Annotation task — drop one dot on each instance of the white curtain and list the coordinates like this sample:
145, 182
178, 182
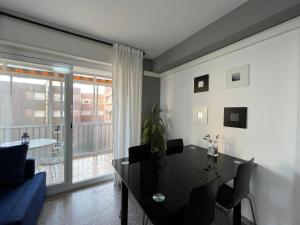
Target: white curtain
127, 98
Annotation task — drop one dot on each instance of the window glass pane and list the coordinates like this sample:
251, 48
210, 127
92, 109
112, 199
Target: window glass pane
33, 102
92, 130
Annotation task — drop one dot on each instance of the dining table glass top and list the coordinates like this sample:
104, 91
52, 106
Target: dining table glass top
173, 176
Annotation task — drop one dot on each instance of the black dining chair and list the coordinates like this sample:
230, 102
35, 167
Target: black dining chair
229, 197
174, 146
139, 153
201, 207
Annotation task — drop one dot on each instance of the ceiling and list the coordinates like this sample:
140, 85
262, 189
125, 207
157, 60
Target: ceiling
151, 25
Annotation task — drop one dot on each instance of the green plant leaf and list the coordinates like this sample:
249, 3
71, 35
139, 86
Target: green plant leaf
147, 122
147, 131
153, 130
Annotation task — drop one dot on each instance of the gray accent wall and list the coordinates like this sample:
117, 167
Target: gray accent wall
147, 63
252, 17
151, 93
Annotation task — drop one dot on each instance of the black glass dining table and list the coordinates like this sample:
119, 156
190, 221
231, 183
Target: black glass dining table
172, 177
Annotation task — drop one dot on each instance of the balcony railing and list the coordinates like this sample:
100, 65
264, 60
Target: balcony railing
88, 138
92, 138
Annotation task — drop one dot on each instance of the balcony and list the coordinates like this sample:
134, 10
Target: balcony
92, 149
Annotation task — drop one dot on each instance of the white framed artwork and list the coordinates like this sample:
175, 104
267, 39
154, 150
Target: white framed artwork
237, 77
200, 114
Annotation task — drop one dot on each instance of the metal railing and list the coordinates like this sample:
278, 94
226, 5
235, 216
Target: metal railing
92, 138
88, 138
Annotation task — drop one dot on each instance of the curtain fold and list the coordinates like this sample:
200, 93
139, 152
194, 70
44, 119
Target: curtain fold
127, 98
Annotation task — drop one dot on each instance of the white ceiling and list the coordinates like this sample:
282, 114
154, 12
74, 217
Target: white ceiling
151, 25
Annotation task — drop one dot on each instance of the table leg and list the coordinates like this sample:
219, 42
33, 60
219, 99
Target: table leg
237, 220
124, 210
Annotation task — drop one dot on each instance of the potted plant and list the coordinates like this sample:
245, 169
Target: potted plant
153, 130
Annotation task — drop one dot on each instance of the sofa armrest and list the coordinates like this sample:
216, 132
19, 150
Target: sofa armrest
29, 168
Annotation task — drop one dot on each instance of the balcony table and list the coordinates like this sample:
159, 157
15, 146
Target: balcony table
33, 144
174, 176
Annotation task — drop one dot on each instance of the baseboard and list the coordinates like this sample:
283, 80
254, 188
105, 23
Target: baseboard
64, 187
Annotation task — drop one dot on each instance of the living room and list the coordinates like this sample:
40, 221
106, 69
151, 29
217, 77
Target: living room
137, 112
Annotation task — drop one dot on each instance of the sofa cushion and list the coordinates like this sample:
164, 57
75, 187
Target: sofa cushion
22, 204
12, 165
8, 198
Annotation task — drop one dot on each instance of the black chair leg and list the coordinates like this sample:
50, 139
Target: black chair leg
143, 218
229, 212
146, 221
254, 220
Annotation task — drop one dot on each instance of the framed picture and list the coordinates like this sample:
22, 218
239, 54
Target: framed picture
237, 77
235, 117
200, 114
201, 83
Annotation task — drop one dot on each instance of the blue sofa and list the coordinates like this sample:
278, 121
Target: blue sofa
21, 204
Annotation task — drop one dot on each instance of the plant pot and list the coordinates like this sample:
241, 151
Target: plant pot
156, 160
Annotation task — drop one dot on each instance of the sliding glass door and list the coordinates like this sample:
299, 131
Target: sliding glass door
32, 104
67, 116
92, 127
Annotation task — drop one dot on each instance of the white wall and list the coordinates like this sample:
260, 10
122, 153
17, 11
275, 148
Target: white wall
272, 101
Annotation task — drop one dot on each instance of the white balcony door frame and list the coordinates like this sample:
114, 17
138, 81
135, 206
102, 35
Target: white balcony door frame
69, 184
68, 120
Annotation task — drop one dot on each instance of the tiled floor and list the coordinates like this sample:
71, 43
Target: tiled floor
97, 205
83, 168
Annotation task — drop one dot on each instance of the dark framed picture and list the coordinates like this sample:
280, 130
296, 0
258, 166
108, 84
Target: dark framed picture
201, 83
235, 117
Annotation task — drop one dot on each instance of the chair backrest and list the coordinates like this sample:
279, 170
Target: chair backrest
174, 146
201, 206
139, 153
242, 181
